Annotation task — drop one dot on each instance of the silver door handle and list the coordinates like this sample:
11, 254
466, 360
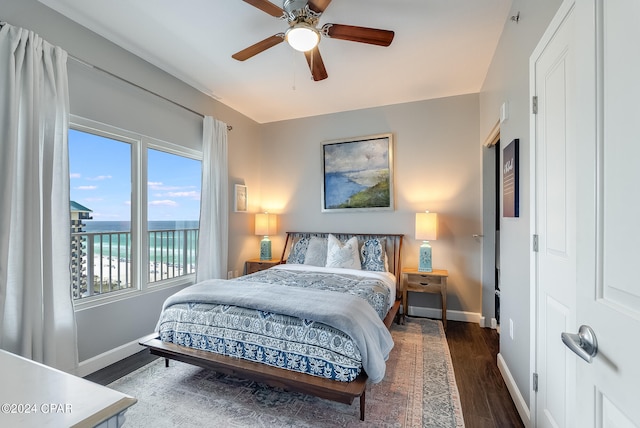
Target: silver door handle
584, 344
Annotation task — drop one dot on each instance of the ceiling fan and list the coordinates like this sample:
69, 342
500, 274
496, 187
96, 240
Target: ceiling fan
303, 34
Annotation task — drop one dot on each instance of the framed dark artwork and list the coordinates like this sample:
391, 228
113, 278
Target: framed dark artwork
357, 174
511, 180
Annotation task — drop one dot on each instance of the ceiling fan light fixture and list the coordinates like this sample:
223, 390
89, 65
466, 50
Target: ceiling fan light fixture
302, 37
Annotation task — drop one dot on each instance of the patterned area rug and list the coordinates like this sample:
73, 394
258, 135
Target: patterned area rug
419, 390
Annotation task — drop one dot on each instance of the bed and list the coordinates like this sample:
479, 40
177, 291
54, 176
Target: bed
266, 326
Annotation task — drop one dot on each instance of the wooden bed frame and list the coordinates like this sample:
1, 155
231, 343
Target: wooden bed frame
342, 392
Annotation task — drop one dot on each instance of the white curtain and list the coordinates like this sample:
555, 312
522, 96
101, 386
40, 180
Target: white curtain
37, 319
214, 202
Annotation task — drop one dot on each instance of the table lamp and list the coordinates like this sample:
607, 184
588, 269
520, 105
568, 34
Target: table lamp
426, 230
266, 224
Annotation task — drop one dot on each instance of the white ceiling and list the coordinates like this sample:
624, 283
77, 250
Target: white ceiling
441, 48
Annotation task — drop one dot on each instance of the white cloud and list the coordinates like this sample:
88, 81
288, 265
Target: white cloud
188, 194
99, 178
74, 175
160, 186
164, 203
86, 187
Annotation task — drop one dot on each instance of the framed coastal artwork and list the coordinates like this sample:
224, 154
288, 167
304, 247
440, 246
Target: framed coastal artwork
240, 201
357, 174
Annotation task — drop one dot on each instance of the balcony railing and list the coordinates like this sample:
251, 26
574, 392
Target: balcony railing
101, 262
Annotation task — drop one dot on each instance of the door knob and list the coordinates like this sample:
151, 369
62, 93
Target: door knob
584, 344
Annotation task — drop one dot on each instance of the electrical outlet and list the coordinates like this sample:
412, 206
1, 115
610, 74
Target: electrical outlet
235, 273
230, 274
511, 328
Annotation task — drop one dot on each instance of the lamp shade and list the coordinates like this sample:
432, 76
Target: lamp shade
266, 224
426, 226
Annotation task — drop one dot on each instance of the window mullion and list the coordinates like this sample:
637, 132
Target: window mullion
139, 214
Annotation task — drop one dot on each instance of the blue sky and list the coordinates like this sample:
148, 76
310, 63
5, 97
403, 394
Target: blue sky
100, 176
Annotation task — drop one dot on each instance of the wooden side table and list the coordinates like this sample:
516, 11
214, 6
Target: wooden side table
256, 265
425, 282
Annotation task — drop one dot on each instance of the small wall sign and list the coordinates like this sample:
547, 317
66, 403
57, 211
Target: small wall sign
511, 180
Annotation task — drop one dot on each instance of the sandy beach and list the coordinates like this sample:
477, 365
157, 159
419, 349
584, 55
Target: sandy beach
112, 269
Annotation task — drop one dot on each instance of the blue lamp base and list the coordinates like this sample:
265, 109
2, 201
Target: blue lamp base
425, 257
265, 249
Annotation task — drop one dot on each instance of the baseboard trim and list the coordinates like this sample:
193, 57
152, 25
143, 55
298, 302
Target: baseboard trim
451, 315
105, 359
518, 399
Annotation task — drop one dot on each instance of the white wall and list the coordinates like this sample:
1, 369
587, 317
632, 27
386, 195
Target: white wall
508, 81
437, 167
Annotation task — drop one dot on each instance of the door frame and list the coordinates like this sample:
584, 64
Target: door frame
488, 237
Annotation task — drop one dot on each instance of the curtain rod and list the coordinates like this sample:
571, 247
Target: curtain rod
115, 76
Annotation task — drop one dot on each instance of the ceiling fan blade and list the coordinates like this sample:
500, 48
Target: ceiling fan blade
266, 6
261, 46
316, 65
372, 36
318, 6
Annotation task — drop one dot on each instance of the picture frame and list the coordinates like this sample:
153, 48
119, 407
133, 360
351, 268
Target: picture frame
241, 199
357, 174
511, 179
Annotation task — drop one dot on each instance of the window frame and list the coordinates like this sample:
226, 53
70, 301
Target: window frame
139, 204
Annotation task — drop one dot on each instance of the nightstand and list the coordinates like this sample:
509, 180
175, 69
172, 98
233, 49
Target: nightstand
256, 265
425, 282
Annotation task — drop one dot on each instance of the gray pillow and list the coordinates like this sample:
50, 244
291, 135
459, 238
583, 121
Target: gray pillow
316, 252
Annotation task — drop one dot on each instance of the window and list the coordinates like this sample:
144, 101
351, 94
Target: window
173, 209
112, 251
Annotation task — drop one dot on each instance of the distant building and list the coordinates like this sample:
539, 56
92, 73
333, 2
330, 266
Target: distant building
78, 267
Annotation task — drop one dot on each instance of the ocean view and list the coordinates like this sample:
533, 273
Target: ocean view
172, 249
94, 226
166, 240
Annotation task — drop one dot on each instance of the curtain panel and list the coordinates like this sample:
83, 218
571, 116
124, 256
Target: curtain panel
37, 318
213, 240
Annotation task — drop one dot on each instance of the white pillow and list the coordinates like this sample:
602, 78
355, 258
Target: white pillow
316, 252
341, 255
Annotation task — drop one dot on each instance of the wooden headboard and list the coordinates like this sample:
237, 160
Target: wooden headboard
393, 246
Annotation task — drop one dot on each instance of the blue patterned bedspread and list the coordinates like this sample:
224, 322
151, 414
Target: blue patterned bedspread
283, 341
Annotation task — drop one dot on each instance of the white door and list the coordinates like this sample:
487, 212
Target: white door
552, 66
608, 390
587, 79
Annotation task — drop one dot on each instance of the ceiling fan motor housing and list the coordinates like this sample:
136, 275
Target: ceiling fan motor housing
292, 5
297, 11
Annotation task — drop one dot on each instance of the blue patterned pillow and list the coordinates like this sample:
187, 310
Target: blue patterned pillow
298, 251
373, 255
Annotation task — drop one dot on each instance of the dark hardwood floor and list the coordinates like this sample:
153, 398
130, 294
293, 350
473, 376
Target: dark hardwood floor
123, 367
484, 396
485, 400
